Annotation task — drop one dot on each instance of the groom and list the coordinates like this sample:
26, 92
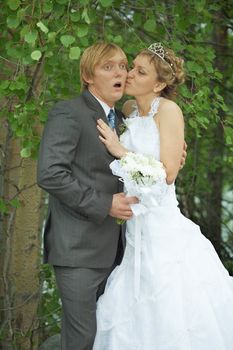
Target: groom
82, 240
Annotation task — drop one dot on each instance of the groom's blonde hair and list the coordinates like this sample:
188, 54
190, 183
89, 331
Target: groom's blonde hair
92, 56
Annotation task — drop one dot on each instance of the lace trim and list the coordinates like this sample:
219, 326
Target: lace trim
153, 109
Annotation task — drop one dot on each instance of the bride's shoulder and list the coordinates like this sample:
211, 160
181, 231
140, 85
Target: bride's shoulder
168, 105
128, 107
168, 108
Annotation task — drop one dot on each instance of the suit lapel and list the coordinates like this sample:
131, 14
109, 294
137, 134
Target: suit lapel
98, 112
92, 103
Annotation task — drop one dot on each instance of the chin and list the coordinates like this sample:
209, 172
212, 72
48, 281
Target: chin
118, 96
129, 91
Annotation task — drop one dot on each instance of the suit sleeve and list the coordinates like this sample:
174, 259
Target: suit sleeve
54, 174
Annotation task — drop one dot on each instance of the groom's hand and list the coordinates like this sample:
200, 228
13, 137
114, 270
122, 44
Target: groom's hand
120, 208
184, 155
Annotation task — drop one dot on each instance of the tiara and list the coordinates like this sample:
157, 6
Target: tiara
158, 49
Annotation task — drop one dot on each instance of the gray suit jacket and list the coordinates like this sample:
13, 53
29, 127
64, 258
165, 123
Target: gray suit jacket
73, 168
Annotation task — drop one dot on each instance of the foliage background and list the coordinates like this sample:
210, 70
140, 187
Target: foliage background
40, 47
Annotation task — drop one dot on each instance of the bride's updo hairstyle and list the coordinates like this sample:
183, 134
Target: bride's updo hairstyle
169, 68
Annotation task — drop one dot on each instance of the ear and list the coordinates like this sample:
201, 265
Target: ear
158, 87
87, 79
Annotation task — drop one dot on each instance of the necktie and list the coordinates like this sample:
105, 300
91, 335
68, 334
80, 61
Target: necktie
111, 118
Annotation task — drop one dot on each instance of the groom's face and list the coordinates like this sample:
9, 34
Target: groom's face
108, 81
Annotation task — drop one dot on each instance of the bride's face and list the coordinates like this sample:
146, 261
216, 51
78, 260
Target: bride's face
142, 78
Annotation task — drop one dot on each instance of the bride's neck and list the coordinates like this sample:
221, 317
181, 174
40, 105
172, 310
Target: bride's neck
144, 104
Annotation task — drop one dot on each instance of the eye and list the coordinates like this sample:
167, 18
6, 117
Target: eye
107, 67
123, 66
141, 72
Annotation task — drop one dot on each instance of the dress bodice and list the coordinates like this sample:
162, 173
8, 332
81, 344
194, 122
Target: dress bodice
142, 134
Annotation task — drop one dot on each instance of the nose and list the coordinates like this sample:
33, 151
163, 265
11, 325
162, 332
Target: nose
118, 70
131, 73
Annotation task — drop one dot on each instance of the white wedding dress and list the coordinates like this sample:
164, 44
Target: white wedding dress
184, 299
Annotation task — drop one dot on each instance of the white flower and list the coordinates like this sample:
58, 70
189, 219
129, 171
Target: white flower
144, 170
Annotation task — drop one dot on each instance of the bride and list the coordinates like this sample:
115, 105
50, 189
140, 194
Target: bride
184, 298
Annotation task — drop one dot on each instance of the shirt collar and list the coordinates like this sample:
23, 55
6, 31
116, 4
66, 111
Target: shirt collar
104, 105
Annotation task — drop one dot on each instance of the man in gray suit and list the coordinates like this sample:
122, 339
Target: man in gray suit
82, 238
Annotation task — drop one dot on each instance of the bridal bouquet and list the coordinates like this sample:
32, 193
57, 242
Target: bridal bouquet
144, 177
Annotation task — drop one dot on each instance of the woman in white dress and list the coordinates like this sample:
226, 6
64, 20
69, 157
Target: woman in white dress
184, 298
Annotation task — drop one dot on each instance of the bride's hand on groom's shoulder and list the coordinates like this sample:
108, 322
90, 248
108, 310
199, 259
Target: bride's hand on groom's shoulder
184, 155
110, 139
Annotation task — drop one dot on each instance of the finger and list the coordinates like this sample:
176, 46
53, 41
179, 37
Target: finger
104, 133
125, 217
103, 125
132, 200
124, 208
101, 129
102, 139
101, 122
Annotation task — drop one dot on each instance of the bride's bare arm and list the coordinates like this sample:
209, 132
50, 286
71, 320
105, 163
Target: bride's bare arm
171, 125
110, 139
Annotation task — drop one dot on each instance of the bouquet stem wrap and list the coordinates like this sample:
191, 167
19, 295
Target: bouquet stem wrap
145, 178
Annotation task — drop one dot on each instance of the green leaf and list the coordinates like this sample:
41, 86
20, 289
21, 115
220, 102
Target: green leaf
84, 41
58, 11
228, 140
150, 25
74, 53
21, 14
194, 67
15, 203
185, 91
24, 31
30, 37
82, 30
106, 3
42, 27
25, 152
12, 22
4, 84
85, 16
199, 5
48, 6
75, 16
218, 75
52, 36
13, 4
20, 132
118, 39
36, 55
3, 207
67, 40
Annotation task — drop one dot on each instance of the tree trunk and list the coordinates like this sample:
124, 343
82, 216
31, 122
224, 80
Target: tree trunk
20, 247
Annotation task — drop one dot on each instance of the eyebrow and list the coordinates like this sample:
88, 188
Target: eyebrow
112, 61
141, 67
